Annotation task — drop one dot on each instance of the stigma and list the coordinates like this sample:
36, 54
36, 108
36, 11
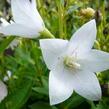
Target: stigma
71, 62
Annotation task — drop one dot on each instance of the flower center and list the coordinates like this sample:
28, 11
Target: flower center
71, 62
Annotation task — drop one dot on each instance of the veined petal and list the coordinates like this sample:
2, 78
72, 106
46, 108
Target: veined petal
60, 88
95, 61
24, 13
3, 91
86, 84
83, 40
19, 30
52, 49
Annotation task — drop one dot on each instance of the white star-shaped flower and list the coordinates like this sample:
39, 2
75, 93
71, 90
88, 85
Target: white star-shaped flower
73, 64
28, 22
3, 91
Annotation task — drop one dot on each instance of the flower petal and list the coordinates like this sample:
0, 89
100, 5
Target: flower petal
3, 23
86, 84
95, 61
60, 88
60, 83
24, 12
3, 91
52, 49
83, 39
19, 30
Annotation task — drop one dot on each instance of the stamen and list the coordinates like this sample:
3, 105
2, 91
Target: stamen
70, 62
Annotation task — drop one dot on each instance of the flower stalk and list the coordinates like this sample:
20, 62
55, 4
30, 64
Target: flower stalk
46, 34
61, 19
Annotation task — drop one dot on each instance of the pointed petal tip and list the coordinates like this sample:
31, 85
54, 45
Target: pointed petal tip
58, 100
41, 40
52, 102
97, 97
93, 22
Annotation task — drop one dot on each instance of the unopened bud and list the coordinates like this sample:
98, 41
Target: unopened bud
88, 12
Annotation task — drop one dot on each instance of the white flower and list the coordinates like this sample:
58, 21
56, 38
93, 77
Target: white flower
4, 23
73, 65
28, 22
3, 91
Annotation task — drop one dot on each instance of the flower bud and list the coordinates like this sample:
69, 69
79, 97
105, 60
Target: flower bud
88, 12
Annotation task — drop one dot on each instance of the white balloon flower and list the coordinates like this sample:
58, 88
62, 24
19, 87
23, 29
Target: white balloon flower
27, 20
3, 91
73, 64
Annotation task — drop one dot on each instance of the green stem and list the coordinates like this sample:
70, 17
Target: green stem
46, 34
91, 104
61, 18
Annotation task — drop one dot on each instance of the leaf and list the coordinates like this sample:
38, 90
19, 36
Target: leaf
18, 98
4, 44
41, 105
102, 105
43, 89
74, 101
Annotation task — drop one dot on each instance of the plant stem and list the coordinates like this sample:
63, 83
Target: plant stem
61, 18
91, 104
47, 34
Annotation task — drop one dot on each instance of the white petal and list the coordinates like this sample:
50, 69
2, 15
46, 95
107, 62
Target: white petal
83, 40
33, 4
86, 84
19, 30
52, 49
60, 88
3, 91
3, 22
95, 61
24, 12
60, 83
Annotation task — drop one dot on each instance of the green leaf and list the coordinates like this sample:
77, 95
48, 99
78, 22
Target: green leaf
102, 105
18, 98
41, 105
4, 44
43, 89
74, 101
